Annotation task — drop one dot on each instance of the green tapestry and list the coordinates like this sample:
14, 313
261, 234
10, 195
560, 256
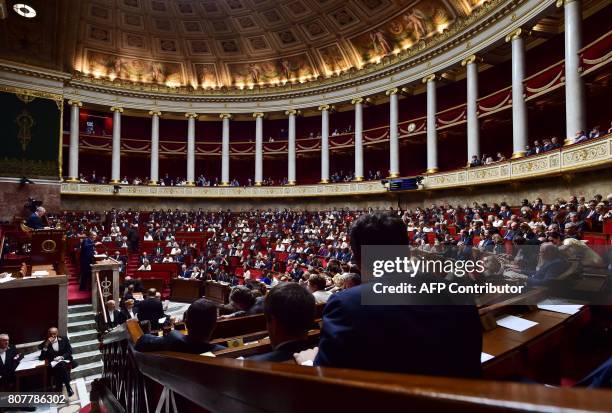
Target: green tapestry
30, 125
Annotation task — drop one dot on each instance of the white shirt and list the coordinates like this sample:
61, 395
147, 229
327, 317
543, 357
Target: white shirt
321, 296
55, 345
131, 313
111, 316
3, 356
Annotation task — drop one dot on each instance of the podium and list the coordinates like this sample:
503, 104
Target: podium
106, 271
48, 246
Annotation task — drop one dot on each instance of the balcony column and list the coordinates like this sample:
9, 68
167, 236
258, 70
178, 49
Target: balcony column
394, 171
154, 179
574, 88
473, 127
358, 102
291, 147
432, 133
116, 153
258, 148
191, 119
324, 143
519, 107
225, 149
73, 153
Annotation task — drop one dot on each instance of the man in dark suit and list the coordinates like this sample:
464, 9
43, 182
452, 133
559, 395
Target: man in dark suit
35, 220
399, 338
113, 316
151, 309
200, 320
9, 360
553, 265
57, 352
88, 250
129, 311
289, 309
133, 238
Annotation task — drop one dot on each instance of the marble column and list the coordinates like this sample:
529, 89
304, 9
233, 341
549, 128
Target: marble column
73, 152
519, 107
324, 143
116, 154
225, 150
191, 119
258, 148
575, 119
358, 102
473, 127
394, 171
432, 133
154, 179
291, 147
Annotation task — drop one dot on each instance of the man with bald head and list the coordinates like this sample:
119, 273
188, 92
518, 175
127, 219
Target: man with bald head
113, 316
57, 352
9, 359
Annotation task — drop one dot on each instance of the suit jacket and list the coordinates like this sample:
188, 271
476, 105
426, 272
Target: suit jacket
34, 221
426, 339
174, 341
284, 352
7, 369
87, 252
64, 350
151, 309
126, 315
548, 272
118, 319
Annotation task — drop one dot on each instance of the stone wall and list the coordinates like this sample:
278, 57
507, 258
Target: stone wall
13, 197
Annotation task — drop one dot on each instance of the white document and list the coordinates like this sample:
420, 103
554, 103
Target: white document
561, 308
308, 363
40, 273
55, 363
31, 356
484, 357
515, 323
208, 354
6, 279
29, 364
162, 320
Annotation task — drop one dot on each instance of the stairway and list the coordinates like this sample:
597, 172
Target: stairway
75, 296
84, 340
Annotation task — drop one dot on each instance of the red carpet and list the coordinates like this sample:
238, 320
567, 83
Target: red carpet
74, 295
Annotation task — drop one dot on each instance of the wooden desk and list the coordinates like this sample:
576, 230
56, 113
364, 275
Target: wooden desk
38, 371
186, 290
32, 305
216, 291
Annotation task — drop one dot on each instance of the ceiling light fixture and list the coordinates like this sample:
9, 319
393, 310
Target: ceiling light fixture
24, 10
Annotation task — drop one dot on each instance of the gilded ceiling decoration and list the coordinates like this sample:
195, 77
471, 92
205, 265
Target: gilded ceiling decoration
232, 43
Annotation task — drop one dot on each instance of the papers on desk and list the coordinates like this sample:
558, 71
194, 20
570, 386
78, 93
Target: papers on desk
308, 363
6, 279
29, 364
570, 309
484, 357
208, 354
100, 256
162, 320
31, 356
515, 323
39, 273
55, 363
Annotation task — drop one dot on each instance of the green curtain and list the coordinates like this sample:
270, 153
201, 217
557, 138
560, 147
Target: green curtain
29, 136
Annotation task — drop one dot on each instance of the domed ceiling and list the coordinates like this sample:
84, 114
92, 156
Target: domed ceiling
242, 43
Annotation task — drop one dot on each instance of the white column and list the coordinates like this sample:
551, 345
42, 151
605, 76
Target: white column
432, 133
519, 108
358, 102
225, 150
324, 143
394, 171
258, 148
154, 179
575, 120
73, 165
291, 147
191, 119
473, 127
116, 154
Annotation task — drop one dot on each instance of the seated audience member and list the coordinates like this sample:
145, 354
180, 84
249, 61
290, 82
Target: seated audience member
57, 349
113, 316
552, 265
475, 161
529, 150
500, 157
554, 143
151, 309
594, 133
351, 280
145, 266
200, 320
9, 360
316, 285
289, 309
243, 302
580, 137
425, 331
129, 312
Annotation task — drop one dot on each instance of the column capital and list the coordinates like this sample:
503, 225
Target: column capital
471, 59
225, 116
324, 107
357, 100
292, 112
116, 109
258, 115
518, 33
191, 115
155, 113
73, 102
431, 78
392, 91
561, 3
